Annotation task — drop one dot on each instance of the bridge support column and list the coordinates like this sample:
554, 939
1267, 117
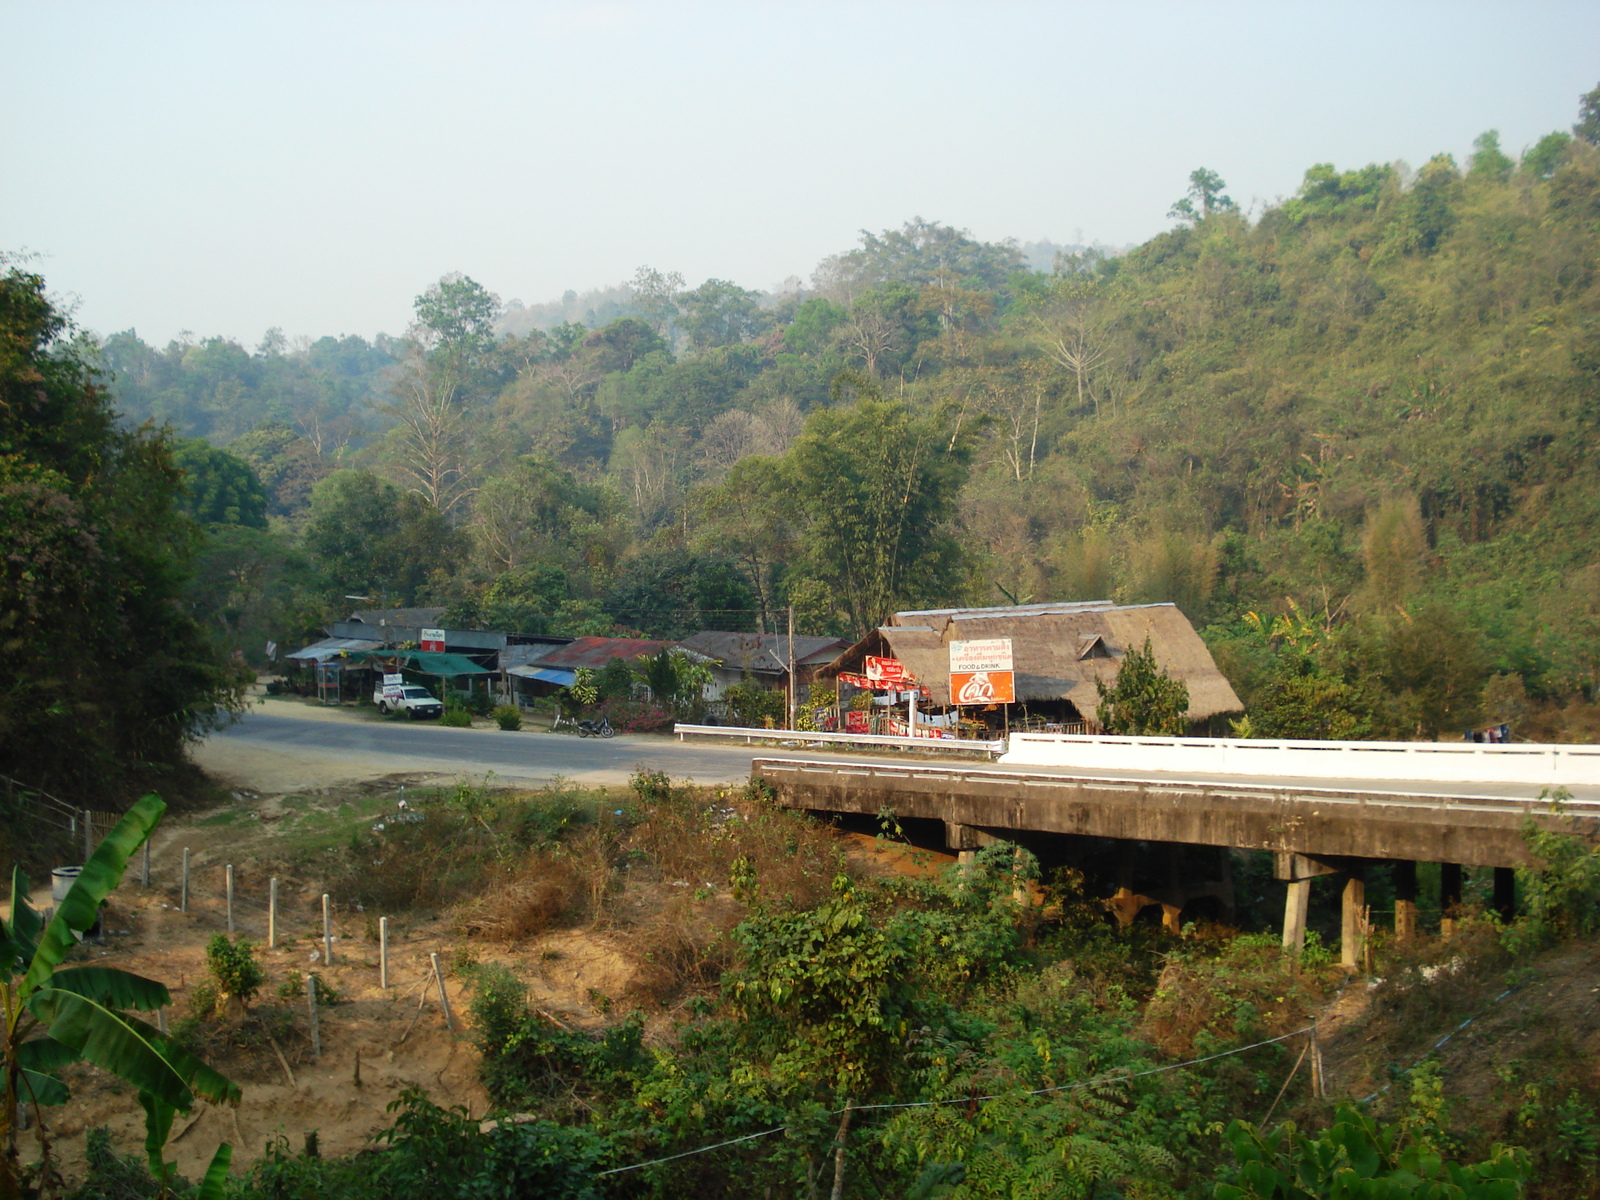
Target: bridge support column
1449, 896
1405, 900
1505, 893
1294, 915
1352, 932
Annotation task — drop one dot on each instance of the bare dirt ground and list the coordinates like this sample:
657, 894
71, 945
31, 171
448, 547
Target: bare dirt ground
376, 1041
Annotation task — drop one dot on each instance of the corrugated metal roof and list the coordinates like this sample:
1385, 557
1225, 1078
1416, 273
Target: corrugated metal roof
414, 617
766, 652
521, 656
596, 652
545, 674
330, 648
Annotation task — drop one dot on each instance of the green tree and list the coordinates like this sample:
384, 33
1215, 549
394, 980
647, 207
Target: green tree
671, 593
1588, 125
676, 680
1205, 197
750, 518
105, 671
877, 484
456, 317
1545, 155
369, 537
1302, 700
286, 463
1143, 699
1488, 160
219, 488
55, 1015
719, 313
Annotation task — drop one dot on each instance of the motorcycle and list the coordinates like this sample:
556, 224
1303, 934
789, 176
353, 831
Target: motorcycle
601, 728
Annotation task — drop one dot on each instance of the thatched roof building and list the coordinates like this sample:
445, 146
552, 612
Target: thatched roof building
1059, 650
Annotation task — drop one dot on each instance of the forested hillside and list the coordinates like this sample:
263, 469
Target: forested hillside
1352, 436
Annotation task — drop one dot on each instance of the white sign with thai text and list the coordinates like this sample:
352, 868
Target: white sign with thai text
985, 654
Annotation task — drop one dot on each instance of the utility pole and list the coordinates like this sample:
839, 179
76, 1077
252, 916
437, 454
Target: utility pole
792, 696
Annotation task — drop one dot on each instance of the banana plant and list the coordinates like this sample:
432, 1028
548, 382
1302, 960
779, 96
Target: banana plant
57, 1014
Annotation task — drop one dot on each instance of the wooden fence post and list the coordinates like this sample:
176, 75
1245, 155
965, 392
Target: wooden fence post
383, 952
444, 1000
272, 913
327, 932
228, 874
316, 1027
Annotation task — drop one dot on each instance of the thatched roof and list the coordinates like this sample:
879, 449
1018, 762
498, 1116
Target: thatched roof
1060, 650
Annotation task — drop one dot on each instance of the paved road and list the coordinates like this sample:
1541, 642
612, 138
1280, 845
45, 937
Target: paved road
369, 747
383, 747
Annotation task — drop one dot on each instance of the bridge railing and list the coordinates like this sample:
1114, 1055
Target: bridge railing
751, 736
1441, 762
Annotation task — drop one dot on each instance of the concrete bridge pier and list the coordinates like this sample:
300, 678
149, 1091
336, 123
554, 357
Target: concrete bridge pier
1298, 870
1505, 893
1405, 900
1449, 897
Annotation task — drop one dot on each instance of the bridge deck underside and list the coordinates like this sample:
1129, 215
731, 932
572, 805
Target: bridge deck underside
1374, 825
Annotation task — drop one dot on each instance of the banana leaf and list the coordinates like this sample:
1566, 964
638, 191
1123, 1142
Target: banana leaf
205, 1082
22, 931
214, 1185
113, 987
34, 1088
157, 1128
45, 1054
108, 1040
99, 877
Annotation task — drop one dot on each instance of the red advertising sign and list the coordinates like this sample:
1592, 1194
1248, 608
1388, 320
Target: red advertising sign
888, 672
432, 639
982, 687
856, 722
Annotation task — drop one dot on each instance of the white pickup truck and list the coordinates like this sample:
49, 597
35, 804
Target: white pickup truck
407, 698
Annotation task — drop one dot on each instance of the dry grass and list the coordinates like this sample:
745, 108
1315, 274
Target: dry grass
1250, 989
659, 875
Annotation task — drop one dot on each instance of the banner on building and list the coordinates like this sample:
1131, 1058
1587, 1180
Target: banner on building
433, 639
888, 672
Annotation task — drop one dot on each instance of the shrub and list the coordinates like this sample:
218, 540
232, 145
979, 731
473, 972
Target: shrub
634, 716
752, 705
234, 967
456, 717
508, 717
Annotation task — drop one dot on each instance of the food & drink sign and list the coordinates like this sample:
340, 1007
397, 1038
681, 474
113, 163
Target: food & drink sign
981, 672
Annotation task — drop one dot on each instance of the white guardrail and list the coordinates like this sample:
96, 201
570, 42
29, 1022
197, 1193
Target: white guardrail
837, 739
1436, 762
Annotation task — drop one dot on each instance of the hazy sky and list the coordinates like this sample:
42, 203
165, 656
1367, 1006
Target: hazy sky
226, 167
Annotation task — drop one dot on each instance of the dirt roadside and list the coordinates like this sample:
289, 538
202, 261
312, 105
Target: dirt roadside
376, 1041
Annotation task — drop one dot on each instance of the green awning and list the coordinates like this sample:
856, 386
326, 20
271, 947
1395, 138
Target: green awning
428, 662
435, 662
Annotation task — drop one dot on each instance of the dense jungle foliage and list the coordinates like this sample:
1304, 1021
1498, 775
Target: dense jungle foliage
1350, 435
105, 666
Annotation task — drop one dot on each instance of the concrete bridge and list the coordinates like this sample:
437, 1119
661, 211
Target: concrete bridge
1320, 808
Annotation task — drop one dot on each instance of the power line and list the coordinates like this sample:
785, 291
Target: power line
1109, 1077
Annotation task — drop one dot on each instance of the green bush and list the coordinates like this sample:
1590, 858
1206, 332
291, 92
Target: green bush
234, 967
456, 717
508, 717
751, 705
